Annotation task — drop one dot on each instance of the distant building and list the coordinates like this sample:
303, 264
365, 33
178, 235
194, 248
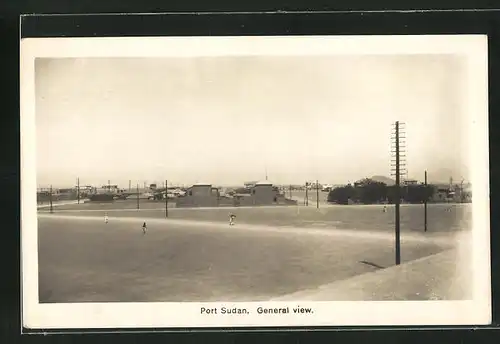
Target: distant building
199, 195
110, 188
205, 195
67, 191
87, 189
451, 193
264, 193
250, 185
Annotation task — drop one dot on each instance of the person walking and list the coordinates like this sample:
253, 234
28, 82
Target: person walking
231, 219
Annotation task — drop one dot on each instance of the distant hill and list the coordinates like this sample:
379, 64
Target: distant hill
382, 179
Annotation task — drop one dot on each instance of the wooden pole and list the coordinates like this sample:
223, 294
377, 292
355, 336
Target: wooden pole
317, 194
138, 196
50, 200
307, 197
425, 202
78, 190
166, 199
398, 200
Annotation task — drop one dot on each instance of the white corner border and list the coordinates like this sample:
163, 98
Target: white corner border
148, 315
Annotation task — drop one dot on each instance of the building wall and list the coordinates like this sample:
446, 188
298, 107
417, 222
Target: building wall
243, 201
263, 194
199, 196
200, 191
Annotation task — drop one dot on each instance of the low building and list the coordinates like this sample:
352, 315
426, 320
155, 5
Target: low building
250, 185
205, 195
445, 193
263, 193
109, 189
67, 194
85, 189
199, 195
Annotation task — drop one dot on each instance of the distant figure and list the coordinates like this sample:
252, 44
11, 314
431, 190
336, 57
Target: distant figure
106, 218
144, 228
231, 219
385, 209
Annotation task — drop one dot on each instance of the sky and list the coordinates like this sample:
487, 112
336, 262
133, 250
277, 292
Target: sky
227, 120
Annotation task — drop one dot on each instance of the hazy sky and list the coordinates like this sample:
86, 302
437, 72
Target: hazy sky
224, 120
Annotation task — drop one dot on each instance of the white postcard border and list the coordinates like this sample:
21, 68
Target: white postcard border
112, 315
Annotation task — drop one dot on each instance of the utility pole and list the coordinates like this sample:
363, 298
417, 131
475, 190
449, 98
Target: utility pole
425, 202
78, 189
138, 196
317, 194
307, 198
129, 185
398, 199
166, 199
109, 186
50, 199
462, 190
290, 191
398, 168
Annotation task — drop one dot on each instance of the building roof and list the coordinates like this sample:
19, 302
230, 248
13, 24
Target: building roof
265, 182
202, 184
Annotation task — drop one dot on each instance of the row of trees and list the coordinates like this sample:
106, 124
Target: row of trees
368, 191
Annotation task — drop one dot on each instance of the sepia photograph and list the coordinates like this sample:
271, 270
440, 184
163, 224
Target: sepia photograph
255, 181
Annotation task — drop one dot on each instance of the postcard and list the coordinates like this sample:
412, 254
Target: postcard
259, 181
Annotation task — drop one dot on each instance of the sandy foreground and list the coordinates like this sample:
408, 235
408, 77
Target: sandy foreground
430, 278
82, 259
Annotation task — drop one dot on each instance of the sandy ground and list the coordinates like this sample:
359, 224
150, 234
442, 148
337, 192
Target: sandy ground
436, 277
83, 259
300, 197
60, 204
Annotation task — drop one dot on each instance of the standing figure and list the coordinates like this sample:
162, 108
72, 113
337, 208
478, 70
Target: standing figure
144, 228
231, 219
106, 218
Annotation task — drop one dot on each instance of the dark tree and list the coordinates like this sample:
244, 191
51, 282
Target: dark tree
368, 191
371, 191
342, 194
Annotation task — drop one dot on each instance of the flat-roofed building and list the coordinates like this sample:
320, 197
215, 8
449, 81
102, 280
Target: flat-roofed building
199, 195
263, 193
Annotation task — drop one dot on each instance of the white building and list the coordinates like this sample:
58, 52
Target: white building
109, 188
